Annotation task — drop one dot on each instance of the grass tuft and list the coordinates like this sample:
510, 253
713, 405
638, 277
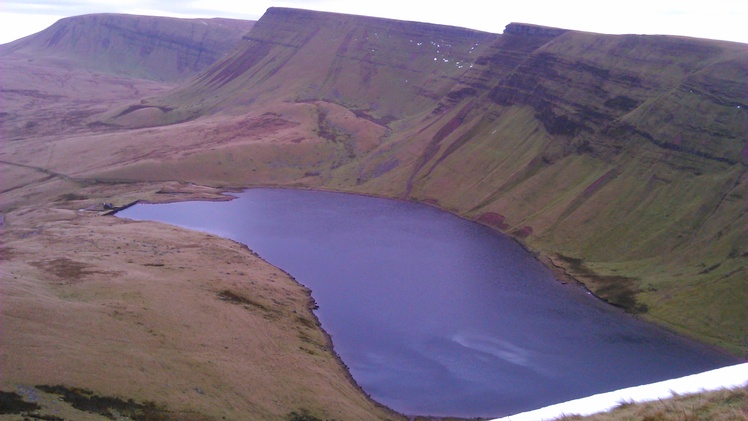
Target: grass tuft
234, 298
13, 403
106, 406
302, 415
620, 291
720, 405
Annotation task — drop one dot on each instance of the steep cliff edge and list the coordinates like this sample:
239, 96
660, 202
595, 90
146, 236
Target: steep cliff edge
622, 159
383, 69
83, 65
146, 47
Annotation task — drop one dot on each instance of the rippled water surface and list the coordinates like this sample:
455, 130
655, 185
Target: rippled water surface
437, 315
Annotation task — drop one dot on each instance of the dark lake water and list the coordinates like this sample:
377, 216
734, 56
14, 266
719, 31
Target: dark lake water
437, 315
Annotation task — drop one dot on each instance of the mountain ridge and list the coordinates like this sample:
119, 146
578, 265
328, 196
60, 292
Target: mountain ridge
83, 65
147, 47
541, 127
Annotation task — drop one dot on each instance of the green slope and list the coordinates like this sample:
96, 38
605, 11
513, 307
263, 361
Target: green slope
621, 159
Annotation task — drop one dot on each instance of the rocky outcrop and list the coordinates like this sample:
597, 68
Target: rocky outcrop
530, 29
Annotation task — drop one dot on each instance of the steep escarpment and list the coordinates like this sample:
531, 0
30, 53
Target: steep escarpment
613, 154
382, 69
84, 65
146, 47
621, 159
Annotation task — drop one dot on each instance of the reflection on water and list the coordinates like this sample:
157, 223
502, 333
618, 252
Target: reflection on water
437, 315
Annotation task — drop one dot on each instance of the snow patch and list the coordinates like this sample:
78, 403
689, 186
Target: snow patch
726, 377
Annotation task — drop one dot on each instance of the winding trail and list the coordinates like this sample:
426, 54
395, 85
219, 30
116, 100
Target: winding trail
81, 180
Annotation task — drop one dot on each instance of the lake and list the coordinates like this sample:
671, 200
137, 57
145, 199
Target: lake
434, 314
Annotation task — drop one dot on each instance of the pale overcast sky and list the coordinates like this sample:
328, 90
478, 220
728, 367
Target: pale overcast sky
715, 19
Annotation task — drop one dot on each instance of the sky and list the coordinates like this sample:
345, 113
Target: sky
714, 19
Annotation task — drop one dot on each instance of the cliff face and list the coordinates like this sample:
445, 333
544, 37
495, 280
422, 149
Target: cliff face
622, 159
147, 47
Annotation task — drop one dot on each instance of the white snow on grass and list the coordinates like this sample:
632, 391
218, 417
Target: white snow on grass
721, 378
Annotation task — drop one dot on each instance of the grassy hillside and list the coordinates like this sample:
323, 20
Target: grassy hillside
54, 81
621, 159
645, 204
722, 405
146, 47
104, 318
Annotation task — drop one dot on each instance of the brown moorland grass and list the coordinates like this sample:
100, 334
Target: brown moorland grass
720, 405
180, 324
205, 330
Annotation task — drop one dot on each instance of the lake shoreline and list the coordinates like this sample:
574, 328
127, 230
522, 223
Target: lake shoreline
562, 272
559, 275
